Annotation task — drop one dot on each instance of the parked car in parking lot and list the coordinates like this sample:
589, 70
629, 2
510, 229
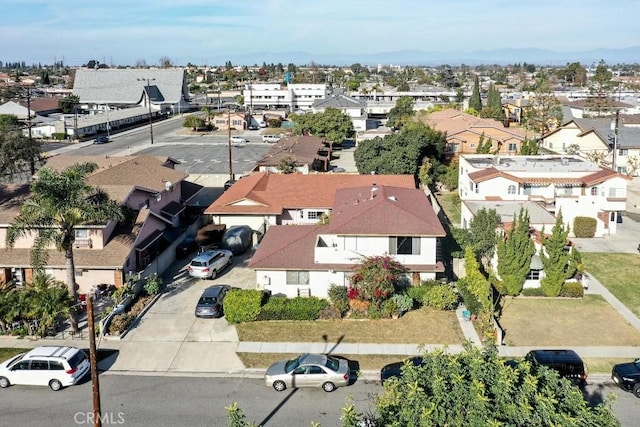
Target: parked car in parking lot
101, 140
627, 376
308, 370
208, 264
56, 367
211, 302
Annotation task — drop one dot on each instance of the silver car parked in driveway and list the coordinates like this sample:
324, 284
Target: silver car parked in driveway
208, 264
308, 370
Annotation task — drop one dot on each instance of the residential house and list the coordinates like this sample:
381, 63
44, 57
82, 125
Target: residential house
264, 199
595, 138
582, 108
568, 183
309, 152
515, 109
297, 260
157, 198
464, 132
239, 120
356, 109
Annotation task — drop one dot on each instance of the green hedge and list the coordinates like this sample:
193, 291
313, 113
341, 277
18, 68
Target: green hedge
470, 300
442, 297
572, 290
532, 292
242, 305
58, 136
299, 308
584, 226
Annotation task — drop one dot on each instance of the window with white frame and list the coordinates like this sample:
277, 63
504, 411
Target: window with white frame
511, 189
314, 214
297, 277
568, 191
513, 146
534, 275
623, 152
594, 191
404, 245
82, 233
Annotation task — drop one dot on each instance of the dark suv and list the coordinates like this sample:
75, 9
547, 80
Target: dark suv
627, 376
566, 362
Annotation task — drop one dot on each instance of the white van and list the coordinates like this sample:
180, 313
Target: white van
271, 138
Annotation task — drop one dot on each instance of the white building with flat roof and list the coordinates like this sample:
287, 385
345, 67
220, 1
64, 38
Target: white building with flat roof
568, 183
295, 96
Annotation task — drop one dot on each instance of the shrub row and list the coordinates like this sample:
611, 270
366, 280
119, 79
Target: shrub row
470, 300
243, 305
569, 290
299, 308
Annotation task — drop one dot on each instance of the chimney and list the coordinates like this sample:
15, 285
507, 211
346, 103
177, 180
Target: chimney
374, 189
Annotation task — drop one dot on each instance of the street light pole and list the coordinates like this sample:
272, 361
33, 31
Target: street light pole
149, 102
615, 142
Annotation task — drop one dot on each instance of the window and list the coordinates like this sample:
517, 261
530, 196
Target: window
314, 214
513, 147
568, 191
82, 233
39, 365
56, 366
594, 191
297, 277
401, 245
316, 370
623, 152
533, 275
511, 189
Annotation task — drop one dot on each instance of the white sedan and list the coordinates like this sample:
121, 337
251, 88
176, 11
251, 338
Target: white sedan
238, 140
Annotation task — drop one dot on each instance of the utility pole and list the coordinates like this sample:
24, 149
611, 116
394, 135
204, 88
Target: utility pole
93, 361
149, 103
32, 163
229, 142
615, 141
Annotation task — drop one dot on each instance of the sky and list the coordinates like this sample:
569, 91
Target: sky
210, 32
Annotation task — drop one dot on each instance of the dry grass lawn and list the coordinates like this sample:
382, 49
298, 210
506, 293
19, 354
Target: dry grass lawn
619, 273
450, 203
424, 326
590, 321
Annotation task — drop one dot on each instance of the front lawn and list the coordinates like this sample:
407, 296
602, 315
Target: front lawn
9, 352
450, 204
619, 273
589, 321
423, 326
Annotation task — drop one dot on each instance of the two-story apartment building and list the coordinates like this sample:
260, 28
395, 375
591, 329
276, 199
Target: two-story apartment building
356, 109
264, 199
365, 221
153, 192
568, 183
295, 96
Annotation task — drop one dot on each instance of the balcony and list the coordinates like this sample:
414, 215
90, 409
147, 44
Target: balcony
82, 243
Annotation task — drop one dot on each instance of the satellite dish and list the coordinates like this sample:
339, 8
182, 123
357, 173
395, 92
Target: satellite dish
168, 185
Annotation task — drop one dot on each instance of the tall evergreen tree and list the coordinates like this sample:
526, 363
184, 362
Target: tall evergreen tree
601, 87
475, 101
556, 259
514, 254
483, 234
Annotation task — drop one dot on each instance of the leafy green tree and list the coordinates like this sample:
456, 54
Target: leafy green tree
601, 87
493, 109
403, 152
484, 236
514, 254
287, 165
574, 74
69, 103
475, 102
451, 175
529, 147
193, 122
59, 203
476, 388
332, 125
556, 259
545, 111
49, 300
18, 153
484, 147
401, 113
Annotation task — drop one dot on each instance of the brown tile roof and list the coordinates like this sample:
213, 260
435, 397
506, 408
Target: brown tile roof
42, 104
269, 193
302, 148
384, 210
454, 123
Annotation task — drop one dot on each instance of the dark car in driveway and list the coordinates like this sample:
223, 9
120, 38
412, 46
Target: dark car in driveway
211, 303
627, 376
394, 370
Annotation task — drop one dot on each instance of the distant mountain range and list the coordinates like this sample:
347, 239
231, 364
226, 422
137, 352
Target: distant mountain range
505, 56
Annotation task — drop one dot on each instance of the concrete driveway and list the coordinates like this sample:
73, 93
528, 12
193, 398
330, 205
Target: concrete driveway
169, 338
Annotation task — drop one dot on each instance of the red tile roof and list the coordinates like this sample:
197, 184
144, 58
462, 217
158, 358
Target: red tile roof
384, 210
268, 193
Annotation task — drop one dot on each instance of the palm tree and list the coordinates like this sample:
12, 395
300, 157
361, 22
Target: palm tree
50, 300
59, 203
6, 305
208, 113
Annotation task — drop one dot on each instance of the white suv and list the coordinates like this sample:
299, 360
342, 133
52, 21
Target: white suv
208, 264
271, 138
56, 367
